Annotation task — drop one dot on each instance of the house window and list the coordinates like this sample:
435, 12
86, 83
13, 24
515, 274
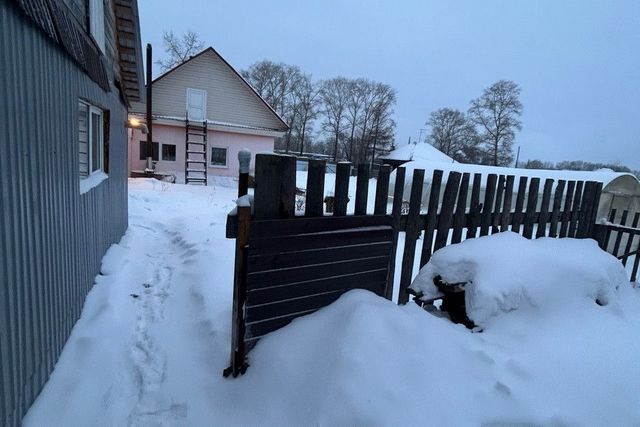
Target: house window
143, 151
96, 22
169, 152
219, 156
91, 140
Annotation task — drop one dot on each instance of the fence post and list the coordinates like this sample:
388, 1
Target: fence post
315, 188
341, 195
275, 192
238, 364
396, 213
244, 158
362, 189
411, 235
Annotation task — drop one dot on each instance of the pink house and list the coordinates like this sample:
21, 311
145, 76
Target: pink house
204, 112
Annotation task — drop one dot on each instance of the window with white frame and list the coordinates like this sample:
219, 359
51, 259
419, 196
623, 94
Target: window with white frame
219, 157
91, 140
96, 22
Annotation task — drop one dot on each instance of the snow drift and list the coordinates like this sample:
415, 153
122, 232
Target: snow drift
506, 272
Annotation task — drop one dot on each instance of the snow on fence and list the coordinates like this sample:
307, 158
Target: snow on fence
306, 251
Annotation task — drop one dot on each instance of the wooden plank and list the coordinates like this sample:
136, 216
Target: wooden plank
616, 245
586, 209
497, 213
532, 202
362, 189
604, 244
267, 186
634, 271
555, 212
544, 208
375, 283
396, 214
411, 235
432, 217
317, 256
317, 285
487, 208
382, 190
317, 241
275, 187
314, 197
257, 329
475, 207
566, 211
290, 227
341, 196
627, 248
281, 277
239, 293
518, 216
506, 206
575, 209
445, 220
461, 207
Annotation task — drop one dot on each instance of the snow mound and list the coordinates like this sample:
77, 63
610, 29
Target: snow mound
506, 272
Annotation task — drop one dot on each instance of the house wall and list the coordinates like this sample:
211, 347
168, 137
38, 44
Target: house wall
176, 135
53, 237
229, 99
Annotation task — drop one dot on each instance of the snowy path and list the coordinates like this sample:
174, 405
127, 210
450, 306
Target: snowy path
155, 326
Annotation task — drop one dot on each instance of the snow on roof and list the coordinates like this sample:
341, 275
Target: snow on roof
605, 176
421, 151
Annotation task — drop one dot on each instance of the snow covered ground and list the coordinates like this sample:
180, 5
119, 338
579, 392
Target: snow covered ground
154, 338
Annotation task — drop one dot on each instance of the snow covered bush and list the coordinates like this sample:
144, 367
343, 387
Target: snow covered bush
507, 272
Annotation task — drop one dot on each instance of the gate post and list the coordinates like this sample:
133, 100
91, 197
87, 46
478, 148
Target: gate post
238, 363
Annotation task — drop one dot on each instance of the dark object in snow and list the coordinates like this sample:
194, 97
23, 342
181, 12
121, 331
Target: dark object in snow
452, 301
146, 285
135, 295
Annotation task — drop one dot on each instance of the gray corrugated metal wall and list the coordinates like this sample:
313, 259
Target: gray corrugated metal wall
52, 237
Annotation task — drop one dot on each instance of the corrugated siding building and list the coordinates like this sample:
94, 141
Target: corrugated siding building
63, 173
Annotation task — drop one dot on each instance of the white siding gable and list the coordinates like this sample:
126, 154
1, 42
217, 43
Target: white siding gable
229, 99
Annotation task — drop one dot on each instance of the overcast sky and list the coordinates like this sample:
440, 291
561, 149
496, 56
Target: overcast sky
577, 62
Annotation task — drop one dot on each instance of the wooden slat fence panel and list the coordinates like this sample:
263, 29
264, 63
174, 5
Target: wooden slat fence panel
544, 208
362, 189
445, 219
555, 213
475, 207
518, 214
497, 212
411, 235
461, 208
432, 217
341, 197
487, 208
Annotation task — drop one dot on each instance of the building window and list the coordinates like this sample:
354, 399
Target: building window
143, 151
96, 22
219, 156
169, 152
91, 140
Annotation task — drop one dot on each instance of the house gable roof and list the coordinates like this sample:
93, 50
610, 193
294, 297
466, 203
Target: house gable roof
282, 125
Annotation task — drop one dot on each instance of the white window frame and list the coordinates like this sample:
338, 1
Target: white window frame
94, 177
161, 153
96, 22
226, 165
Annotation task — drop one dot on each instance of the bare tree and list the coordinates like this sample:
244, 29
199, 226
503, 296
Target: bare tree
305, 97
497, 113
179, 49
454, 134
334, 95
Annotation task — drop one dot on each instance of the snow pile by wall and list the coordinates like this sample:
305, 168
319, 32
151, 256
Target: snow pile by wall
506, 272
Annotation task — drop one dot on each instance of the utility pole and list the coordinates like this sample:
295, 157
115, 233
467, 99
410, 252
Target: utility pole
149, 110
518, 156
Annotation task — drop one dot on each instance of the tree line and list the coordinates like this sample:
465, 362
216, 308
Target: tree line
348, 119
485, 133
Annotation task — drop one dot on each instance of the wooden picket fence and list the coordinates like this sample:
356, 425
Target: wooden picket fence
269, 235
620, 239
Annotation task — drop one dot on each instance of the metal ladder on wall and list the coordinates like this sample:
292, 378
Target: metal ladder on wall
195, 165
